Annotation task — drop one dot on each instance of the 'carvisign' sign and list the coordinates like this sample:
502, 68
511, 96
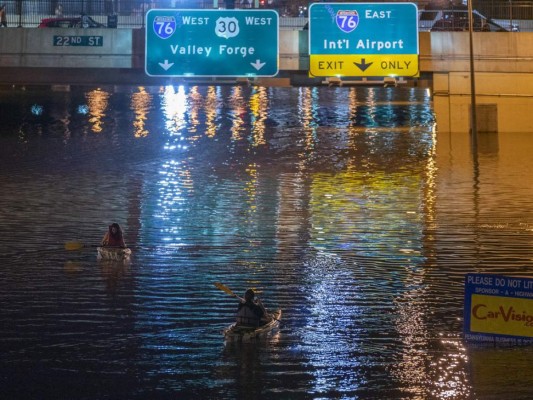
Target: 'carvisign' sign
498, 308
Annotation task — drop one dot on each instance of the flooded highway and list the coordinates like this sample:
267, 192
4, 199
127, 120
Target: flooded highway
344, 207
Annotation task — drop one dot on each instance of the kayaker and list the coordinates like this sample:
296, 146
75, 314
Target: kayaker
251, 312
114, 237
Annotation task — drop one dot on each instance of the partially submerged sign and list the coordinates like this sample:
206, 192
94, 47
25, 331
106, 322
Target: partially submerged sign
498, 308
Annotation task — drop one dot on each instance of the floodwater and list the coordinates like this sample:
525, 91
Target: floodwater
344, 207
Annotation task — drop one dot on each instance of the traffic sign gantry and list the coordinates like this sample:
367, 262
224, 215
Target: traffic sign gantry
363, 39
223, 43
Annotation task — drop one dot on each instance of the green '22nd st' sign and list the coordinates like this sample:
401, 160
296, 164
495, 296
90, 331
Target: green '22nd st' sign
83, 40
224, 43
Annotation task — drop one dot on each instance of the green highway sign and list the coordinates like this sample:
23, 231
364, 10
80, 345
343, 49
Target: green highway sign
363, 39
223, 43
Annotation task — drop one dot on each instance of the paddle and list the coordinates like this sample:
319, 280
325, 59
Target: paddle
75, 246
80, 245
226, 289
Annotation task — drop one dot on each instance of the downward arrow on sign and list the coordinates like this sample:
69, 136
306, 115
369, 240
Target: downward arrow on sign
166, 65
258, 64
363, 65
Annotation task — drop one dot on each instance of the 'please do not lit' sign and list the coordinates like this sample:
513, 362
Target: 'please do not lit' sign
498, 308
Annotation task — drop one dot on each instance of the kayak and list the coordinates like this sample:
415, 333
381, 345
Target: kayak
236, 333
113, 253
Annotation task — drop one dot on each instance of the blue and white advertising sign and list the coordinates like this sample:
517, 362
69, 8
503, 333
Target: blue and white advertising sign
498, 308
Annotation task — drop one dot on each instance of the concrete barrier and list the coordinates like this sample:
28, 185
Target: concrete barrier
124, 48
66, 48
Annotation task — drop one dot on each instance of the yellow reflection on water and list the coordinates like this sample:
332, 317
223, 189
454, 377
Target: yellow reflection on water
211, 110
353, 104
259, 111
352, 203
372, 109
251, 188
307, 113
430, 195
238, 112
97, 101
140, 103
194, 104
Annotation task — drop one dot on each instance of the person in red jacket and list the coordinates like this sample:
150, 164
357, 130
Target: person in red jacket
114, 236
3, 17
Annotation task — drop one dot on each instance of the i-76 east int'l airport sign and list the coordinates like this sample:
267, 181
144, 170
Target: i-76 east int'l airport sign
363, 39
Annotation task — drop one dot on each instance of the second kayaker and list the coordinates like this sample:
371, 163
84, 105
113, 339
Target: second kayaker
114, 237
252, 312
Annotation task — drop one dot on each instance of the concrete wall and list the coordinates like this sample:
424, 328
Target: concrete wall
503, 79
503, 64
508, 95
22, 47
493, 51
124, 48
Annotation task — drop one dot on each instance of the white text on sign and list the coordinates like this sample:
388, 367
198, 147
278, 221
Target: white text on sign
189, 20
363, 65
258, 21
362, 44
369, 14
223, 49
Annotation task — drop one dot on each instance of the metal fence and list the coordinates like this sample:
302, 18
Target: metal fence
507, 9
130, 13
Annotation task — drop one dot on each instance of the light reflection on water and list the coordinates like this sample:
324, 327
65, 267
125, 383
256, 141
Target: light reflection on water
343, 207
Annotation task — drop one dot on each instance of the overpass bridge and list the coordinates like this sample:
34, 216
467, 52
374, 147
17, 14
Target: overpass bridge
503, 69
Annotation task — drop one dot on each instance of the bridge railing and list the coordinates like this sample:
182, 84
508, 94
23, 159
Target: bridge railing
130, 13
29, 13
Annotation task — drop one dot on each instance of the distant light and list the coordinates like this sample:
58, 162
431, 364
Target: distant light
37, 109
83, 109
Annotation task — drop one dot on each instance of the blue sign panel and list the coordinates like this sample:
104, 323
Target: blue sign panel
363, 39
363, 28
224, 43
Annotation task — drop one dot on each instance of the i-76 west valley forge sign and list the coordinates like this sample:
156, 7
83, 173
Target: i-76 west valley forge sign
223, 43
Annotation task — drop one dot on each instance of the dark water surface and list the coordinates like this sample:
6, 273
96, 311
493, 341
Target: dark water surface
343, 207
